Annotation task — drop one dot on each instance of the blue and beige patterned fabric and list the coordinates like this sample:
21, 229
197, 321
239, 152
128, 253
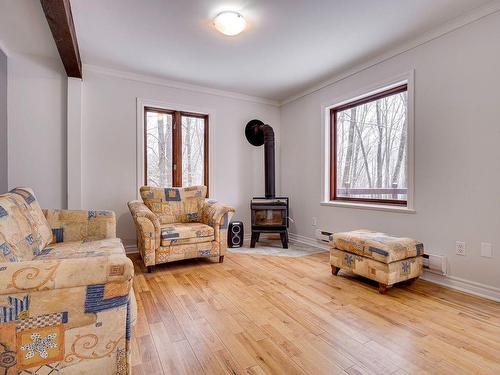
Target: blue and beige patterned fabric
68, 225
174, 205
165, 254
24, 231
377, 256
68, 308
179, 223
377, 245
385, 273
184, 233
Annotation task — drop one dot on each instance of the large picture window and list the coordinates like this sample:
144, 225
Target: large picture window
369, 149
176, 148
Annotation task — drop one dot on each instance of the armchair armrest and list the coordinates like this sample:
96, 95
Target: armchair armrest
148, 231
49, 274
80, 225
217, 216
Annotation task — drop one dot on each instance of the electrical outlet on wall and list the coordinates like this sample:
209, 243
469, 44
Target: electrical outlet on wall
460, 248
486, 250
314, 222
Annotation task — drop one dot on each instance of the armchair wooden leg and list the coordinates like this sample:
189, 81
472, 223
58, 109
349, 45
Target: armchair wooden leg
221, 259
335, 270
150, 269
382, 288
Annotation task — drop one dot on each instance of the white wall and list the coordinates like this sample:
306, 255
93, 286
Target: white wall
109, 144
37, 127
3, 123
457, 157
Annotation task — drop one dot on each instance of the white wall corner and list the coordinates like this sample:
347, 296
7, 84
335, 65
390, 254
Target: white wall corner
74, 145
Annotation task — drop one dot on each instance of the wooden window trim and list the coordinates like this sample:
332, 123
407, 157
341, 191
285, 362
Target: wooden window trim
177, 144
333, 147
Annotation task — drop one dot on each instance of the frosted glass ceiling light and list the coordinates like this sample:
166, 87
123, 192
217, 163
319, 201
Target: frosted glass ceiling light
230, 23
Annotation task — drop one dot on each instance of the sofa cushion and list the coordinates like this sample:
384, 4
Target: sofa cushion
24, 230
184, 233
82, 249
376, 245
175, 205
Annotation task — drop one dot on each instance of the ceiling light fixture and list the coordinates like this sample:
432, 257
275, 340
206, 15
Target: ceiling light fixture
230, 23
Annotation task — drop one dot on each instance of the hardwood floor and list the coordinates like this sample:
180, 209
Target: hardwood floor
275, 315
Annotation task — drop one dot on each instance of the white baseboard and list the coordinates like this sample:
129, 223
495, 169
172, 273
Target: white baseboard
467, 286
308, 241
453, 282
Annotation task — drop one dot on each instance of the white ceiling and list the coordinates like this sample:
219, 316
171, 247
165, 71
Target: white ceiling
24, 29
290, 45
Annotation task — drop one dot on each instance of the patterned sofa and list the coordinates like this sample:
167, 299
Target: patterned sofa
66, 298
179, 223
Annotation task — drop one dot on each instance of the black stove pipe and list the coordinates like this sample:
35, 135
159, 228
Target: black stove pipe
269, 161
259, 134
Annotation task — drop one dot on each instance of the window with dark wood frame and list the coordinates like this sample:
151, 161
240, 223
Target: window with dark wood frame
177, 144
368, 149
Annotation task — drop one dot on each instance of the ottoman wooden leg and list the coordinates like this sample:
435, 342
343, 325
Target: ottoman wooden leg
150, 269
382, 288
335, 270
411, 281
221, 259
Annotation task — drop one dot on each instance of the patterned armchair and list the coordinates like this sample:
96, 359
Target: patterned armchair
66, 300
178, 223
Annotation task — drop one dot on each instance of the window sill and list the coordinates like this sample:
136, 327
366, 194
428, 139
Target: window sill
369, 206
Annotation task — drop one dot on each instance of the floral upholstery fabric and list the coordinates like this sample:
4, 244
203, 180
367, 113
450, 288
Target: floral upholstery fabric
169, 208
24, 231
183, 233
68, 309
386, 273
174, 205
379, 246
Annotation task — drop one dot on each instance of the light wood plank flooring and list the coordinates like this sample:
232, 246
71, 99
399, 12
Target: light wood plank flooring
276, 315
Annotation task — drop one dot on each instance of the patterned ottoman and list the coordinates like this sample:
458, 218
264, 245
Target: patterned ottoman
377, 256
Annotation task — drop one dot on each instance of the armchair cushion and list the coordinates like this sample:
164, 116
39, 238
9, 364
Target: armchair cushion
24, 231
174, 205
184, 233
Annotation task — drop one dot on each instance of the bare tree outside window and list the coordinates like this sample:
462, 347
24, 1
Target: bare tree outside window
193, 139
159, 148
176, 151
369, 139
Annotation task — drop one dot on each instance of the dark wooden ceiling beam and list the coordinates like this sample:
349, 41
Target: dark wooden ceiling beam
60, 19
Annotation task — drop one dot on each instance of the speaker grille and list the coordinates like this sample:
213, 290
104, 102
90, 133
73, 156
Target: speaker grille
235, 235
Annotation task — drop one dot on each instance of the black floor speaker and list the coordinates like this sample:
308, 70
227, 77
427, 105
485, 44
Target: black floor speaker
235, 234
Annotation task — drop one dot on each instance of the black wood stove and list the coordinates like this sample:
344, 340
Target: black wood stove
269, 213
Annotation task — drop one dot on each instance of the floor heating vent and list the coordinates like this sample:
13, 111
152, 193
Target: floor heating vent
323, 235
435, 263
